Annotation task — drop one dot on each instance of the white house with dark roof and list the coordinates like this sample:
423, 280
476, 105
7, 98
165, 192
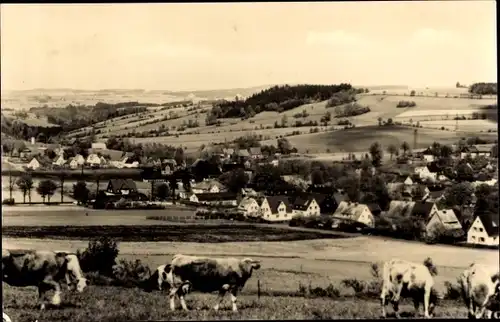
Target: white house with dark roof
353, 212
484, 230
276, 208
249, 206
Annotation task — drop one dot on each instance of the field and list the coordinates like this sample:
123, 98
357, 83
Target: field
463, 125
285, 266
360, 138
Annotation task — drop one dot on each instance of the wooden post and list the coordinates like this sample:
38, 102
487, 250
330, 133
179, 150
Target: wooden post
258, 289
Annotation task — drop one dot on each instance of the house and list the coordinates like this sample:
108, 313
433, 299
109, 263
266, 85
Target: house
484, 230
427, 155
276, 208
25, 153
326, 202
34, 164
248, 192
434, 196
243, 154
73, 163
208, 186
423, 209
399, 208
353, 212
275, 162
474, 152
59, 161
93, 159
80, 160
121, 186
219, 198
228, 152
250, 206
98, 146
424, 173
256, 153
408, 181
443, 221
305, 206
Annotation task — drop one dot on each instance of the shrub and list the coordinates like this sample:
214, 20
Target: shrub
100, 256
358, 286
130, 273
330, 291
8, 201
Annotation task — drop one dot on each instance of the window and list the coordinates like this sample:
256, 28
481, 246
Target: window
481, 239
481, 229
473, 238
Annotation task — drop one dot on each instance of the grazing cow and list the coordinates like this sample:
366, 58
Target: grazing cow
157, 281
44, 269
415, 279
207, 275
479, 285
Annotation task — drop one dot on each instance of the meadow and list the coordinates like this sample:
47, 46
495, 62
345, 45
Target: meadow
286, 267
359, 139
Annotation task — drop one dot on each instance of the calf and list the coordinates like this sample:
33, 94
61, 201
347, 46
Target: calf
207, 275
44, 269
415, 279
479, 284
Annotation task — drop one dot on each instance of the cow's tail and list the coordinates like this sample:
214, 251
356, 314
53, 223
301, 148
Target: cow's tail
430, 266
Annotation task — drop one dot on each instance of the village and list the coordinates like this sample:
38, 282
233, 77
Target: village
420, 186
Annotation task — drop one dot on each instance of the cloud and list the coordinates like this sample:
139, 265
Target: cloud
337, 38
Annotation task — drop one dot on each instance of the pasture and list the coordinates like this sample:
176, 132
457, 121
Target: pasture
463, 125
285, 266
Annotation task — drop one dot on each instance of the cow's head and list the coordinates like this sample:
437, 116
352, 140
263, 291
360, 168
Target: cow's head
430, 266
75, 273
250, 264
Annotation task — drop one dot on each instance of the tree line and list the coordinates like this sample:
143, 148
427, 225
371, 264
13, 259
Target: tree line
277, 99
483, 88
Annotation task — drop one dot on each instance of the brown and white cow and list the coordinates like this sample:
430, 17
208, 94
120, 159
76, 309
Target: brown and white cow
44, 269
186, 273
416, 280
479, 285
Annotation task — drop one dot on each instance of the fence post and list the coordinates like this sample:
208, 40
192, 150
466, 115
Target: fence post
258, 289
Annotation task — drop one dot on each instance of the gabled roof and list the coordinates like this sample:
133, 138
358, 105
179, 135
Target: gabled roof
448, 218
207, 184
398, 208
350, 210
491, 223
255, 151
246, 202
123, 184
275, 201
422, 209
216, 196
243, 153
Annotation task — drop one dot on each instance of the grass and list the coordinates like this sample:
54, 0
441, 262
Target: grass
171, 233
463, 125
120, 304
340, 141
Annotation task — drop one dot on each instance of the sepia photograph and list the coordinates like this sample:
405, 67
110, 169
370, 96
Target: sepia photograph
249, 161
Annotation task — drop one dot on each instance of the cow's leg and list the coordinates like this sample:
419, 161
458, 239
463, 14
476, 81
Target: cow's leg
181, 292
234, 292
42, 289
171, 297
220, 298
480, 311
397, 290
427, 297
416, 303
383, 300
472, 309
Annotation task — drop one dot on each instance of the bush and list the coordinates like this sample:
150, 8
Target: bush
100, 256
330, 291
8, 201
406, 104
130, 273
358, 286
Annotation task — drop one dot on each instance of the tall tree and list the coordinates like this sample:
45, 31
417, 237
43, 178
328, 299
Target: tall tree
46, 189
81, 192
376, 153
21, 183
405, 147
11, 184
392, 150
162, 191
62, 178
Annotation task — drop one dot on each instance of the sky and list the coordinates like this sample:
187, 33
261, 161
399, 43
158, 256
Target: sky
195, 46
